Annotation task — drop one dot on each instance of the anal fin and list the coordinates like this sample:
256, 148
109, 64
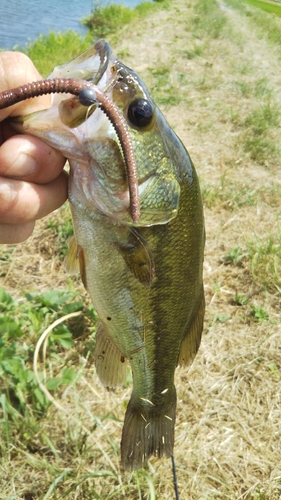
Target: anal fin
74, 261
111, 365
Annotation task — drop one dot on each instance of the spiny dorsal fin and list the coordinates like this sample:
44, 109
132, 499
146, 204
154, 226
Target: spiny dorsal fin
110, 363
191, 342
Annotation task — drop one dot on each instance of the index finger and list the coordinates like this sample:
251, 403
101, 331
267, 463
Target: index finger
17, 69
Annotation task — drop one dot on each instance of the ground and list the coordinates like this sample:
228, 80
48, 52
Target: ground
215, 74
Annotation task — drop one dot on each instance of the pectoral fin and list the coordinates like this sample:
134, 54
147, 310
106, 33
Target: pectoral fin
138, 257
191, 342
71, 261
110, 363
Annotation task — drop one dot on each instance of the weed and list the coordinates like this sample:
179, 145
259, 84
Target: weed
222, 318
21, 323
228, 195
163, 89
260, 149
240, 300
195, 51
234, 256
266, 24
245, 88
259, 314
275, 370
54, 49
106, 20
266, 6
61, 228
209, 19
265, 259
261, 89
262, 118
259, 124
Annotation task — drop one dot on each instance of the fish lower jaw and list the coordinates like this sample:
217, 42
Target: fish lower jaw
95, 207
86, 192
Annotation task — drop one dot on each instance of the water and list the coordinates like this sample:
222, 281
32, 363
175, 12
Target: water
23, 20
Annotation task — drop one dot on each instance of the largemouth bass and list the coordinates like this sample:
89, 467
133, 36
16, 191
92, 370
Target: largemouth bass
144, 277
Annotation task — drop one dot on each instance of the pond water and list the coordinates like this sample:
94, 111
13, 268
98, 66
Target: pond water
23, 20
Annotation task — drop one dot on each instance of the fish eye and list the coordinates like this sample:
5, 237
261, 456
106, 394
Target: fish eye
140, 113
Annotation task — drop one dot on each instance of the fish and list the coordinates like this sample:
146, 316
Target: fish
144, 276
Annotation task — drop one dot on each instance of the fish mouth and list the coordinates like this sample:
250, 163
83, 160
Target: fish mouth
92, 182
104, 52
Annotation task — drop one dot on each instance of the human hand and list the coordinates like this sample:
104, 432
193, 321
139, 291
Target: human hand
32, 180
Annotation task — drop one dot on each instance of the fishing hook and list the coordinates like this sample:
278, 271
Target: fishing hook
79, 87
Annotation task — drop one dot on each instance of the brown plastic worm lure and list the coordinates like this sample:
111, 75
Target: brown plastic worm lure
88, 94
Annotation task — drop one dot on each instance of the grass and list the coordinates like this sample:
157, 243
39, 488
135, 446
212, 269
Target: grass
270, 7
51, 50
262, 257
258, 123
20, 320
104, 21
259, 126
268, 25
265, 259
208, 20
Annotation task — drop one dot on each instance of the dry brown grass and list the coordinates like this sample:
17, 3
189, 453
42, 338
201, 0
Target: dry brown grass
228, 428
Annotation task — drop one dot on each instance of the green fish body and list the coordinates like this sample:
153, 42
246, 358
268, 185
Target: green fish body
144, 278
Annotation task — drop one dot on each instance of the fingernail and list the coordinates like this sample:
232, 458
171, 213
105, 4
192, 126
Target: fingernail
23, 165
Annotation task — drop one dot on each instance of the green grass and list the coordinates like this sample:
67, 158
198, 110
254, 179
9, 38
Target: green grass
31, 441
266, 6
54, 49
257, 139
228, 195
164, 88
21, 324
262, 257
109, 19
259, 126
268, 25
209, 19
265, 259
61, 229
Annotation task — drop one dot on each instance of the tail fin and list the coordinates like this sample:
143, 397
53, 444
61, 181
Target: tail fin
148, 430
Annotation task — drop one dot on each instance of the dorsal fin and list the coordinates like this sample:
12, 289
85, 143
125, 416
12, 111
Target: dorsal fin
191, 342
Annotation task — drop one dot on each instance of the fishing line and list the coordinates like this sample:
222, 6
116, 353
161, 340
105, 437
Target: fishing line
175, 481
